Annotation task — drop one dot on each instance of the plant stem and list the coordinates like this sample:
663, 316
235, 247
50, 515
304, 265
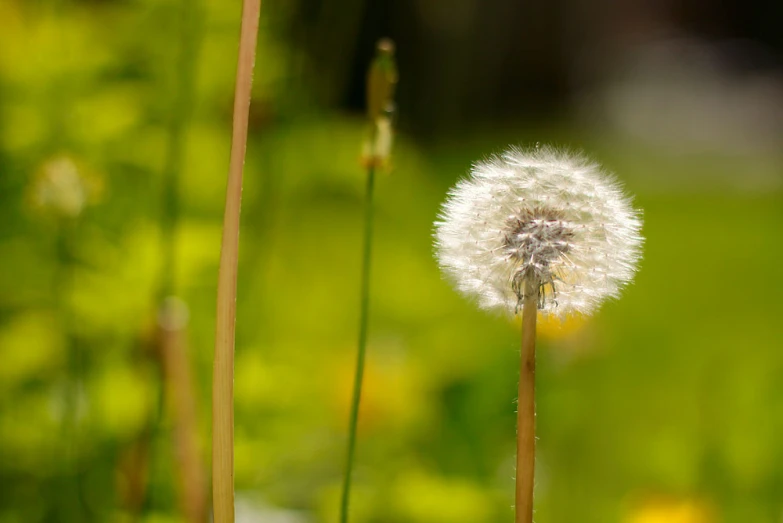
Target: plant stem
179, 390
223, 371
181, 101
182, 109
363, 320
71, 436
526, 408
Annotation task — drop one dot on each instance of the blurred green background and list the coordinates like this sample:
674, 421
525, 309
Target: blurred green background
666, 407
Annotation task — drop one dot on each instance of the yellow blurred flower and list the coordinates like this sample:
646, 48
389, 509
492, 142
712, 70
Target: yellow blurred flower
664, 510
389, 392
420, 497
553, 327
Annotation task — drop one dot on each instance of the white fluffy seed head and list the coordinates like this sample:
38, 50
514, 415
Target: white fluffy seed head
540, 215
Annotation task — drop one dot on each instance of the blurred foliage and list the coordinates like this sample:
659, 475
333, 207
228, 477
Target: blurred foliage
667, 406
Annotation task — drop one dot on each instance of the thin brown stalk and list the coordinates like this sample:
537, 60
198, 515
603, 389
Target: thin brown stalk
179, 390
223, 372
526, 408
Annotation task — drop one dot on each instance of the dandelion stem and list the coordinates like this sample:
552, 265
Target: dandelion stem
381, 78
223, 371
363, 317
526, 408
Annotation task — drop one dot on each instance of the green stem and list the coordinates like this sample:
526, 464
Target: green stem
182, 104
73, 372
181, 101
363, 320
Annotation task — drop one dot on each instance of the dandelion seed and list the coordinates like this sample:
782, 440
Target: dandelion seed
62, 189
539, 214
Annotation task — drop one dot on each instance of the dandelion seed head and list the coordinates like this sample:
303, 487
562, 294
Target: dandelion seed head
62, 188
541, 215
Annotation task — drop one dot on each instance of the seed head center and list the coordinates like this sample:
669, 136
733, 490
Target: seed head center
534, 240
